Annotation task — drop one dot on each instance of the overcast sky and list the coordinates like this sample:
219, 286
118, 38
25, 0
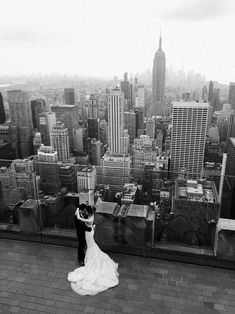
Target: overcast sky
107, 37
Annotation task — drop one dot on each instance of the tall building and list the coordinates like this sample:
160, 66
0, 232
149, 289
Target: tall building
126, 88
60, 141
130, 124
25, 177
79, 137
37, 106
37, 142
158, 82
103, 131
204, 93
86, 178
93, 107
46, 122
8, 186
231, 126
114, 171
47, 167
150, 127
139, 120
140, 97
188, 137
211, 91
68, 177
93, 128
216, 98
69, 96
115, 120
231, 96
2, 111
67, 114
228, 203
21, 118
95, 151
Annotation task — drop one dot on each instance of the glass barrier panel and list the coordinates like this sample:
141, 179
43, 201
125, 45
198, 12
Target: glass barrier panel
140, 207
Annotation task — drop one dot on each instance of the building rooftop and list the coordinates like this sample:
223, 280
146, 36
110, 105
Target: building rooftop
190, 104
34, 280
85, 168
195, 190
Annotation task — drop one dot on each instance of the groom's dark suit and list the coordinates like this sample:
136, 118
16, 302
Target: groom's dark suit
81, 227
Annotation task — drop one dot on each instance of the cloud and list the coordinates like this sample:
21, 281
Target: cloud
193, 10
31, 35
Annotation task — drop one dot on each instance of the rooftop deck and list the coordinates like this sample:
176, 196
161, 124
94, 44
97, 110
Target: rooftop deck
33, 279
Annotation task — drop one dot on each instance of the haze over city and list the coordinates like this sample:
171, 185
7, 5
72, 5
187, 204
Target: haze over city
106, 38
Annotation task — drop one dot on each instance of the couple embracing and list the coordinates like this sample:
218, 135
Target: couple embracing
98, 272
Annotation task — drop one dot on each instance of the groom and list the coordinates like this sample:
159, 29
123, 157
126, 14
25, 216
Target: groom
81, 227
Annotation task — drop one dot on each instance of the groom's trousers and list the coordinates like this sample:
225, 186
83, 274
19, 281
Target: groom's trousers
81, 246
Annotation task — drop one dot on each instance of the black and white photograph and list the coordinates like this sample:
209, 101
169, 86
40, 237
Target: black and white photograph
117, 156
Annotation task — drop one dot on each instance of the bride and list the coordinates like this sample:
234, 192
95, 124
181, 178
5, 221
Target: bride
100, 271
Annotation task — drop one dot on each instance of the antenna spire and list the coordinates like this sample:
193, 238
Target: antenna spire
160, 40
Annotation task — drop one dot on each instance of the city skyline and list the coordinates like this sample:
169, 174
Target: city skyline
83, 38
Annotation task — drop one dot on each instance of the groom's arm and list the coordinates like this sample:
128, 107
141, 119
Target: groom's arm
87, 228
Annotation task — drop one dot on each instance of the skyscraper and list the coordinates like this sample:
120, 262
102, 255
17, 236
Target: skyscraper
60, 141
126, 88
188, 137
211, 91
204, 93
69, 96
158, 82
231, 126
115, 120
2, 111
37, 106
93, 107
46, 122
67, 114
47, 168
25, 177
231, 96
228, 200
130, 124
93, 128
95, 151
93, 117
21, 118
140, 102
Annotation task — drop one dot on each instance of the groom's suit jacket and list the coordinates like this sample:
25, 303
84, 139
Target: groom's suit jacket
81, 227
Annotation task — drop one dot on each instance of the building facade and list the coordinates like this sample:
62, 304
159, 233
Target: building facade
86, 178
130, 124
115, 120
60, 142
69, 96
2, 111
47, 120
67, 114
93, 107
158, 82
231, 96
188, 137
21, 118
37, 106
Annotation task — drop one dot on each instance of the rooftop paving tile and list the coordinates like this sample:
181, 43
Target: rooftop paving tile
33, 279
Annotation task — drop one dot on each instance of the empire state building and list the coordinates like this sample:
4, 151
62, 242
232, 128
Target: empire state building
158, 82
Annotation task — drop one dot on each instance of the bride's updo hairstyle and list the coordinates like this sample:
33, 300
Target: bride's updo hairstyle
90, 210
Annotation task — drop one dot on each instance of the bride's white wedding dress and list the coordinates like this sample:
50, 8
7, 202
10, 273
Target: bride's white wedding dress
99, 273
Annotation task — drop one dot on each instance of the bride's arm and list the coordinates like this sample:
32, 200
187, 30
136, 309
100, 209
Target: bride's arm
90, 219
